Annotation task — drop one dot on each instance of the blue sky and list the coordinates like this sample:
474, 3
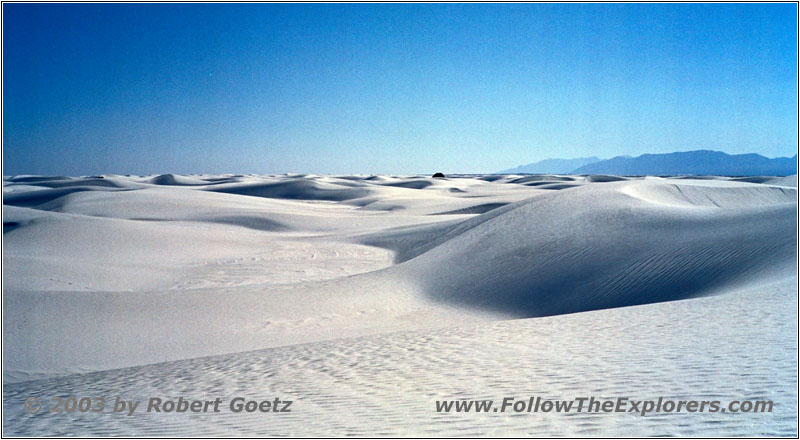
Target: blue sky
334, 88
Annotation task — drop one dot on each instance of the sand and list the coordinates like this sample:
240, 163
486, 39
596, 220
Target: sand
366, 298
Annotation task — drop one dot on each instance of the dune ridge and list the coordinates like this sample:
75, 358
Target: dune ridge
600, 247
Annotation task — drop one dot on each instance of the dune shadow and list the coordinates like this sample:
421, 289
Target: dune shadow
412, 184
10, 226
477, 209
295, 189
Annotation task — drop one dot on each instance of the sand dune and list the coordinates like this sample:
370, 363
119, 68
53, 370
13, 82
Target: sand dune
295, 190
172, 179
598, 247
144, 270
727, 347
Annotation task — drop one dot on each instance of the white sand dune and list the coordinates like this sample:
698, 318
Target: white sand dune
741, 345
371, 287
611, 245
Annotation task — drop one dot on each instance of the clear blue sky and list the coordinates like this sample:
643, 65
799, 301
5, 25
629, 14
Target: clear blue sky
269, 88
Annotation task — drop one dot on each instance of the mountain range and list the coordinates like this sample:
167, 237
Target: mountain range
699, 162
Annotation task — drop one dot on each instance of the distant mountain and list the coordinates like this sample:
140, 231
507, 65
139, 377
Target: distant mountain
700, 162
551, 166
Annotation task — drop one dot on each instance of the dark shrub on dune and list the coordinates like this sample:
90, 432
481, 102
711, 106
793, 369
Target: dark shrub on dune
438, 175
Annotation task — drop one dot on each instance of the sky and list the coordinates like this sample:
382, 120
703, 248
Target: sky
388, 88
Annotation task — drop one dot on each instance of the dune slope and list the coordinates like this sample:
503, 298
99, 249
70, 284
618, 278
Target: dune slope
730, 347
611, 245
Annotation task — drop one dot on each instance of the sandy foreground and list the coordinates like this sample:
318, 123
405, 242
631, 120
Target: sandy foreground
364, 299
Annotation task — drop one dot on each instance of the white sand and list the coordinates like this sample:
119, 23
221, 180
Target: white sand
398, 290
